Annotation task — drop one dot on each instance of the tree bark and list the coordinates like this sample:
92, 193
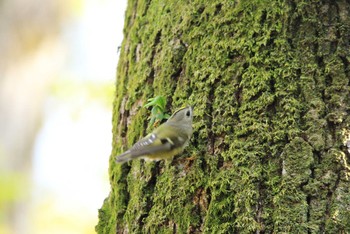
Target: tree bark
270, 83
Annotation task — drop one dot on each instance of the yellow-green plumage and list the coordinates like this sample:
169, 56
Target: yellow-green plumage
164, 142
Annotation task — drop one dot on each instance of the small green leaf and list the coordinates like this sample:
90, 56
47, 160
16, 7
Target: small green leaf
158, 105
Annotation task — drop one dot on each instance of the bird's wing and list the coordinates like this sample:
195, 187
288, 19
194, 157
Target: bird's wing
155, 142
149, 145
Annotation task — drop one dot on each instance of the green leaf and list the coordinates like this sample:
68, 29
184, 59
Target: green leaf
158, 105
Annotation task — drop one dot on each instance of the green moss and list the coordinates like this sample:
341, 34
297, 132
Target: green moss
291, 214
269, 82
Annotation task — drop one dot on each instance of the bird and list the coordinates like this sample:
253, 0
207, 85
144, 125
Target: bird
164, 142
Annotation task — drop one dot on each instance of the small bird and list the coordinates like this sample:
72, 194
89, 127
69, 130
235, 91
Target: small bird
164, 142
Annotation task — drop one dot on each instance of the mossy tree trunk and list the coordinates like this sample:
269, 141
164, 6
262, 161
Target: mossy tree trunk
269, 81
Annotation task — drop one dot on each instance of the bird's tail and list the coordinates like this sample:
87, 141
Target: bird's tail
124, 157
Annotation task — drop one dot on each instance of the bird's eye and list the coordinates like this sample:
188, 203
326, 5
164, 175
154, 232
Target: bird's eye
188, 113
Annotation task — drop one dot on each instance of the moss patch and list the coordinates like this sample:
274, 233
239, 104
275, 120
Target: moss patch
270, 85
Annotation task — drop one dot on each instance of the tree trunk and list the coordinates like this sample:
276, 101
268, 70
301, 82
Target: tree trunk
269, 81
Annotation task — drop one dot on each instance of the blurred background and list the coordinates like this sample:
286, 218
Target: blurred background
57, 76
